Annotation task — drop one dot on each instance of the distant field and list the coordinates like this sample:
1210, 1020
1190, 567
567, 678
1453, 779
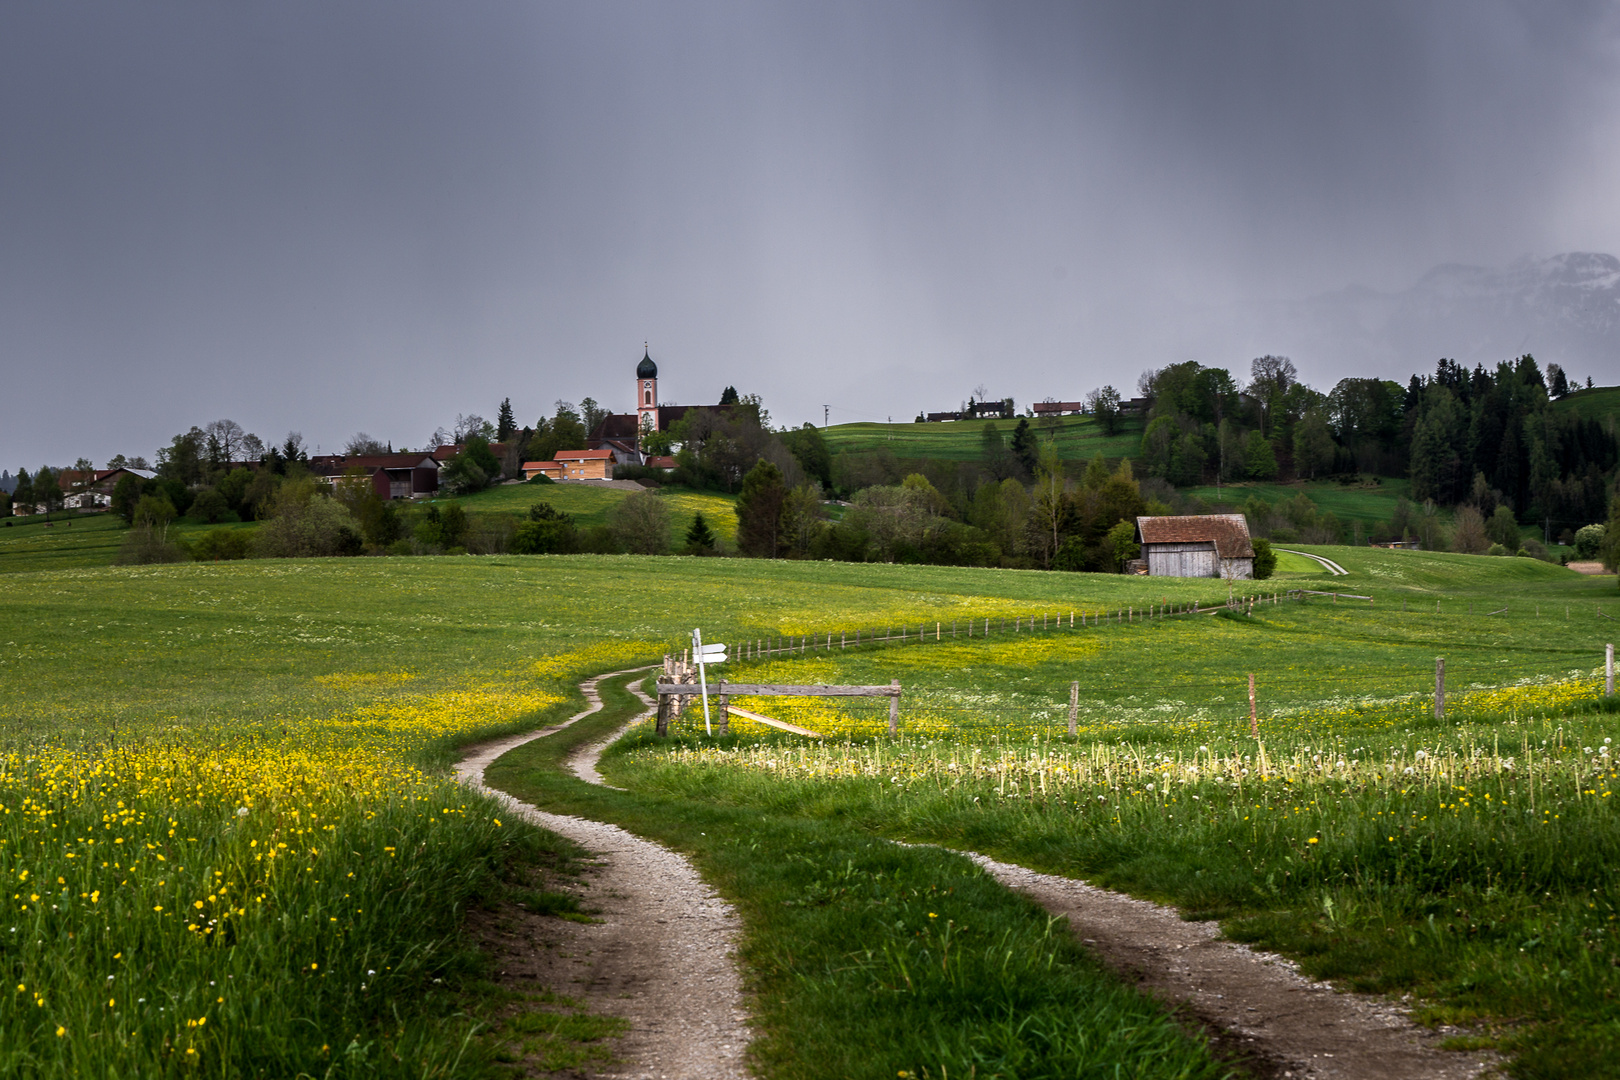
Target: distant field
1078, 437
590, 504
1367, 504
72, 543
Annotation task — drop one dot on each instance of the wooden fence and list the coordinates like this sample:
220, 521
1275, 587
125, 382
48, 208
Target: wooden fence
674, 694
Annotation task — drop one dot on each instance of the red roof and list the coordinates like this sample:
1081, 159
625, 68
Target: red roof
582, 455
1228, 532
661, 462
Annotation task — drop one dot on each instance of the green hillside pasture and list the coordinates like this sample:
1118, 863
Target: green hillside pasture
590, 504
84, 540
1367, 503
207, 714
1471, 862
1598, 403
1079, 438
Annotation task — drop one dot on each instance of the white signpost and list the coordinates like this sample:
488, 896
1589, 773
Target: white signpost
705, 655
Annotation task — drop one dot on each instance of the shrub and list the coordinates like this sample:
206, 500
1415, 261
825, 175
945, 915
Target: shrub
700, 539
547, 532
149, 543
1265, 559
1468, 534
641, 523
210, 508
308, 524
221, 544
1588, 541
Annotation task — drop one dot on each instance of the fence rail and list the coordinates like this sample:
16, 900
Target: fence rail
1237, 702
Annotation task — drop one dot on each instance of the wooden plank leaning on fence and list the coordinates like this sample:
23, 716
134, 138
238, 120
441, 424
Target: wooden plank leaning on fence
669, 691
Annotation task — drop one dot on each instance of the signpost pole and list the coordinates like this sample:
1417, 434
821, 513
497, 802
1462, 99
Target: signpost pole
703, 680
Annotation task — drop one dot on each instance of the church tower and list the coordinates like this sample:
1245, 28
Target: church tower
647, 393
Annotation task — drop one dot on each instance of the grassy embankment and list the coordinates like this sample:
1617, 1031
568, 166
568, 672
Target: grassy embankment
1470, 861
167, 729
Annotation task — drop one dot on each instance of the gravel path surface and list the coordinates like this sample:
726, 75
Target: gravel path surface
662, 955
1289, 1025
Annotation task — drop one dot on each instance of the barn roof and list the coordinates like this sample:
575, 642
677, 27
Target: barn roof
1228, 532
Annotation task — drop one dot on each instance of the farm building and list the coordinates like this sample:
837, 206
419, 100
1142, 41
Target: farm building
1197, 545
393, 476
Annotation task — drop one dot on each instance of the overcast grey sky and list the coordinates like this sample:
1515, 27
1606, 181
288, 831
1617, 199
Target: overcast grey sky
339, 216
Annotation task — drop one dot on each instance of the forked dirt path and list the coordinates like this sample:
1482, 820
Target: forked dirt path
1275, 1019
662, 958
662, 954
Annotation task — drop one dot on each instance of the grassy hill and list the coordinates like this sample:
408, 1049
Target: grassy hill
1079, 438
1365, 502
589, 504
1598, 403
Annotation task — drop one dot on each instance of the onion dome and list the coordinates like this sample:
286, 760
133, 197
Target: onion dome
647, 369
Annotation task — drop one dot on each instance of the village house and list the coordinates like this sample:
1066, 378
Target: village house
1197, 545
96, 494
586, 464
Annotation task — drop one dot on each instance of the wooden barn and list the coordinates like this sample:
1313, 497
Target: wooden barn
1197, 545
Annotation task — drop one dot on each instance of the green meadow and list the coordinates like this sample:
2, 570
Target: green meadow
1598, 403
224, 785
1078, 438
589, 504
71, 541
1367, 502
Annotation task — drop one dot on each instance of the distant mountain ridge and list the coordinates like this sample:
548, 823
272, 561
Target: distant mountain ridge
1564, 309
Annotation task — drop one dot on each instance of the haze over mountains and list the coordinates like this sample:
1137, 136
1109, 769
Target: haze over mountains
1564, 309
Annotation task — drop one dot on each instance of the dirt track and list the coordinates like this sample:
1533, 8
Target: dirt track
661, 956
1278, 1021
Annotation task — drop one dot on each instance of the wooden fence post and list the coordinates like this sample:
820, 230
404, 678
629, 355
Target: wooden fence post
1254, 720
894, 708
1439, 688
1074, 706
662, 728
1608, 670
725, 714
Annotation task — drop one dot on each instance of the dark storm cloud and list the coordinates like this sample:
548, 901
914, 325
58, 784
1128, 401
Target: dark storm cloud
342, 217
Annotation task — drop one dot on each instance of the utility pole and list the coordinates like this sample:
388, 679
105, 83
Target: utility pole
826, 415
